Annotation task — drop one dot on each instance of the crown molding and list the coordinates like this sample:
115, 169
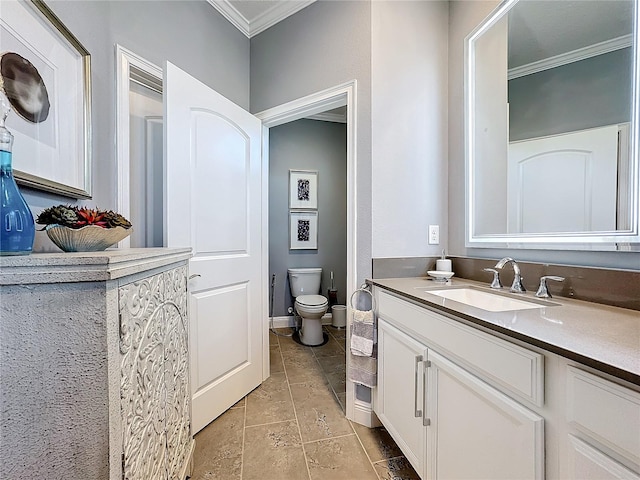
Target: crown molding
252, 27
570, 57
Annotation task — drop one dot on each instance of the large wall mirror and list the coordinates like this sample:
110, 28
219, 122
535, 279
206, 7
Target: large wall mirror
551, 113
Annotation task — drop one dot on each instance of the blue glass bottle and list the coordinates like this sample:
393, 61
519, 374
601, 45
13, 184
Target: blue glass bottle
17, 228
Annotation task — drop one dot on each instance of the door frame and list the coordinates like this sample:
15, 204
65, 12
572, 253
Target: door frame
333, 97
150, 76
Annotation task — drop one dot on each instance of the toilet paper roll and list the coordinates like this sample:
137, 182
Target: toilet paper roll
443, 265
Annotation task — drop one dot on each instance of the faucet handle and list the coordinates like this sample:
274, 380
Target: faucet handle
495, 283
543, 292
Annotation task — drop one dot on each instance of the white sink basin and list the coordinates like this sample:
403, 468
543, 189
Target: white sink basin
485, 300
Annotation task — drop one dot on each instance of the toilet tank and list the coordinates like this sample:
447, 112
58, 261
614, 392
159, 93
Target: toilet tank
304, 281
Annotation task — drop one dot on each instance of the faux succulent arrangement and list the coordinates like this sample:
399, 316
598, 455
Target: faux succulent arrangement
75, 217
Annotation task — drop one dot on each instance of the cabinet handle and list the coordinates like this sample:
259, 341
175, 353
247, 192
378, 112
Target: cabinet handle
195, 275
417, 413
425, 421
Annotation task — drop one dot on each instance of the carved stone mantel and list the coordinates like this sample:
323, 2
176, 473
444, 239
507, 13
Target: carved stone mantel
63, 403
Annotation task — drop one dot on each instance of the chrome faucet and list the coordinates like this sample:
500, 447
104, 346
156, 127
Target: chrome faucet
516, 286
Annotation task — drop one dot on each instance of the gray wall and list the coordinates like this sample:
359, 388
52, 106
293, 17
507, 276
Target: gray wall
549, 102
323, 45
190, 34
308, 145
463, 17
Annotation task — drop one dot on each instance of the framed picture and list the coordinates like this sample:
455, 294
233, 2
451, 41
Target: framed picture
52, 141
303, 231
303, 189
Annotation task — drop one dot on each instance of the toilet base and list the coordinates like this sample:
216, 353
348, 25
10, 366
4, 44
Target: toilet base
311, 332
296, 338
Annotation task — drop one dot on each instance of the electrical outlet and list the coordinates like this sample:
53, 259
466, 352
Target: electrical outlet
434, 234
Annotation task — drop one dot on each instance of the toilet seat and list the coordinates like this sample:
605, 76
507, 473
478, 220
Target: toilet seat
312, 300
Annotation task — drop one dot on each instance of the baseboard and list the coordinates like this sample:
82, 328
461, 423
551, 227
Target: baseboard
289, 321
283, 322
364, 415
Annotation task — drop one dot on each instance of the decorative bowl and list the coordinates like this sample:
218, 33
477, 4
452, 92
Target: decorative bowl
90, 238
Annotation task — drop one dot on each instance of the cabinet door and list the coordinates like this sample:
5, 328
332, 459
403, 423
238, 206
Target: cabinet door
477, 431
154, 375
588, 463
176, 373
399, 401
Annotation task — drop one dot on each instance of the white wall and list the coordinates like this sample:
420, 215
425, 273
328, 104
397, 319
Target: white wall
408, 126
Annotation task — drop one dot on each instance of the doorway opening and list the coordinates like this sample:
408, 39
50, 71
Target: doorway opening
340, 96
140, 143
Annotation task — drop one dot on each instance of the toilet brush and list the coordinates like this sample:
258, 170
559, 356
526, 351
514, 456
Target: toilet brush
332, 293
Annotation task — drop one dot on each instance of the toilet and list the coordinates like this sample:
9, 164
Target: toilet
305, 288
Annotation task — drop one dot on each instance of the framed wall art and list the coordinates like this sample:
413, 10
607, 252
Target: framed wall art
46, 75
303, 230
303, 189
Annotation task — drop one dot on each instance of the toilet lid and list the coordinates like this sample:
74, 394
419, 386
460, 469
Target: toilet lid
311, 300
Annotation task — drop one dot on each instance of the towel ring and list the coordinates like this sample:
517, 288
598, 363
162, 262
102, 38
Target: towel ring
363, 289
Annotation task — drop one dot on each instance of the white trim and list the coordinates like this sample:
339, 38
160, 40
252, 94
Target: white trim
338, 96
329, 117
125, 59
289, 321
251, 27
266, 363
569, 57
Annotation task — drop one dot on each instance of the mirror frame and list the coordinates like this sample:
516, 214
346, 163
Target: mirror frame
622, 240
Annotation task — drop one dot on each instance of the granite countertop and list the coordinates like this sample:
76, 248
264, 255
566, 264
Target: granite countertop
602, 337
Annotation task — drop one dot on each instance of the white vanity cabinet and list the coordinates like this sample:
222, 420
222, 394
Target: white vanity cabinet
477, 431
603, 429
94, 378
446, 393
401, 393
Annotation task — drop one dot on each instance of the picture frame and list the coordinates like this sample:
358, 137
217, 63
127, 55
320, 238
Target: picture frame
303, 230
303, 189
55, 154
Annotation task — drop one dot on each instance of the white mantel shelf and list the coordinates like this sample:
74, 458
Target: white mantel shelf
107, 265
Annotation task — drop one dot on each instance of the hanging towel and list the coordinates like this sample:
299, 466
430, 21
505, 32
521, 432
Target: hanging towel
364, 370
363, 333
363, 365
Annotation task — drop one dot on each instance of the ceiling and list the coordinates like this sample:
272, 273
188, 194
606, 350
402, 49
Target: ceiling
254, 16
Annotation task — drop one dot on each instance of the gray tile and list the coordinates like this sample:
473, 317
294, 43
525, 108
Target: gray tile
275, 360
218, 453
329, 349
342, 398
396, 469
377, 442
273, 339
333, 364
274, 451
270, 402
319, 413
240, 403
338, 459
337, 381
303, 368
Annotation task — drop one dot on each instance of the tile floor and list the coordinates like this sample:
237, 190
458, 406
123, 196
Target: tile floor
293, 425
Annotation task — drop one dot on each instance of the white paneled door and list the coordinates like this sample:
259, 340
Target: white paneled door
213, 205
